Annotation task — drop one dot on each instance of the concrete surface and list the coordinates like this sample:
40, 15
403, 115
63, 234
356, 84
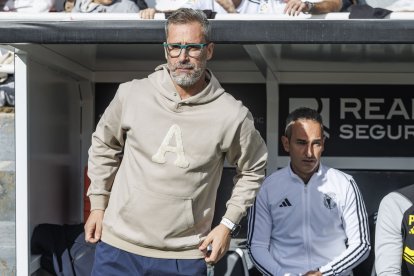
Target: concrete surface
7, 196
7, 150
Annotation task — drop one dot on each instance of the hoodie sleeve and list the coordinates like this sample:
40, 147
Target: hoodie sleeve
355, 220
248, 153
105, 153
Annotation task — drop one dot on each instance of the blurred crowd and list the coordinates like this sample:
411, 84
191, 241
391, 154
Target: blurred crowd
147, 9
6, 78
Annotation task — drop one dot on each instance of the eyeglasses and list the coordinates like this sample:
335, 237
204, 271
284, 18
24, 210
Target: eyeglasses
193, 49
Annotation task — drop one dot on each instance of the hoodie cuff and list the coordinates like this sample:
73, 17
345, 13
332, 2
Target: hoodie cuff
98, 202
234, 214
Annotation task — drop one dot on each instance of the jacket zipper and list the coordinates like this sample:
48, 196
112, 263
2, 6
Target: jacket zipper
307, 224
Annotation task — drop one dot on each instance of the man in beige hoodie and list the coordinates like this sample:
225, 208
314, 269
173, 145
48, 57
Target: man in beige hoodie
156, 161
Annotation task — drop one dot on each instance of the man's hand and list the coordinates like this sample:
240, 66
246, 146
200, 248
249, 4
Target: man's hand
313, 273
219, 238
93, 226
147, 13
294, 7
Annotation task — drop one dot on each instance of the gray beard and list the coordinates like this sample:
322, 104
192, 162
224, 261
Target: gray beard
187, 80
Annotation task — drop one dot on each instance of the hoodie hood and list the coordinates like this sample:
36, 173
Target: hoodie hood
162, 81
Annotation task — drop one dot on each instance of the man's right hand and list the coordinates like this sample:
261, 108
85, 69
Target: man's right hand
93, 226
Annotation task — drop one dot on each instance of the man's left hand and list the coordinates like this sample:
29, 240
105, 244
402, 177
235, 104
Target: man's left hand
219, 238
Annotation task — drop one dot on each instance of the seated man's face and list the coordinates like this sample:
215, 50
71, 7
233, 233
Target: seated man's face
104, 2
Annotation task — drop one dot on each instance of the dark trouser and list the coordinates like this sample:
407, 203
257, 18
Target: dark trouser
110, 260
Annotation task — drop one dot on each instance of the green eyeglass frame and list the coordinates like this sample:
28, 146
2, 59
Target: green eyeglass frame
191, 49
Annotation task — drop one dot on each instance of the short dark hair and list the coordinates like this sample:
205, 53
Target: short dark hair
185, 16
302, 113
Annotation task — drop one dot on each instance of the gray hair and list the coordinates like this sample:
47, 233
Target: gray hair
185, 16
303, 113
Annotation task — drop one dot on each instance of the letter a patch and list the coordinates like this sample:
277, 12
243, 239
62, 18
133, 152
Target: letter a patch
178, 149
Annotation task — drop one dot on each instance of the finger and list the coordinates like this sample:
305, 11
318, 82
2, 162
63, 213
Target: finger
147, 15
206, 242
213, 257
291, 8
287, 8
301, 8
295, 8
88, 233
98, 231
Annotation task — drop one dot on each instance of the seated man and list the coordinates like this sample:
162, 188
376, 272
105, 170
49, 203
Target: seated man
307, 219
394, 244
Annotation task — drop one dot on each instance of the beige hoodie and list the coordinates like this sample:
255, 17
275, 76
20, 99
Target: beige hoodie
159, 201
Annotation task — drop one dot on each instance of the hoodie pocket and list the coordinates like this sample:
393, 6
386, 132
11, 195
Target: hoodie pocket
157, 221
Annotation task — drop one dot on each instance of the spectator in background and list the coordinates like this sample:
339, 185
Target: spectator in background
308, 219
394, 242
289, 7
218, 6
28, 6
111, 6
6, 78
